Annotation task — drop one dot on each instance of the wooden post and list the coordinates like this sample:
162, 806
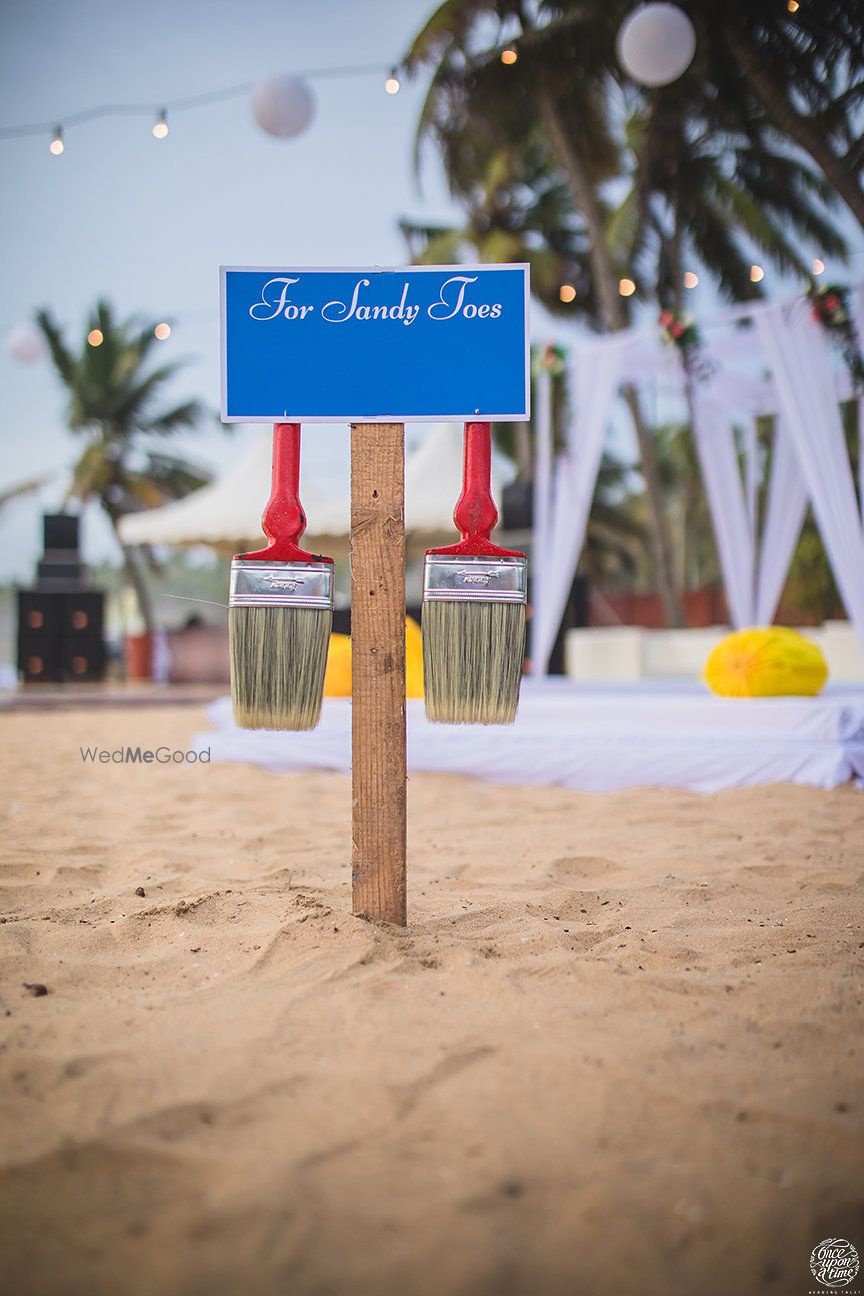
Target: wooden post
378, 671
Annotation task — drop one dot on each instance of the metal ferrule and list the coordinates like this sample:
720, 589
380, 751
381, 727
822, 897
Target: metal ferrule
485, 580
281, 584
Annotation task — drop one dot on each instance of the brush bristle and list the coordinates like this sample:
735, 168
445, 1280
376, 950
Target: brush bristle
278, 659
472, 660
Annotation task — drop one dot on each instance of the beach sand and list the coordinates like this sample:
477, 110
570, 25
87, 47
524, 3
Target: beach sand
618, 1049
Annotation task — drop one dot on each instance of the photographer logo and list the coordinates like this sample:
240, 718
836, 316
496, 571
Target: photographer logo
143, 756
834, 1263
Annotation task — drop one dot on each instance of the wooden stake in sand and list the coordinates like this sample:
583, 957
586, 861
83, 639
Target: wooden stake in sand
378, 671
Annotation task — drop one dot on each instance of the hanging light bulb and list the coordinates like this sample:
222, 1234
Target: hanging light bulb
26, 343
391, 85
95, 337
690, 279
509, 56
162, 332
283, 105
56, 146
818, 266
567, 293
626, 287
160, 126
756, 274
656, 44
792, 6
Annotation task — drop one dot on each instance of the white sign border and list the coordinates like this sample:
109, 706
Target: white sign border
470, 417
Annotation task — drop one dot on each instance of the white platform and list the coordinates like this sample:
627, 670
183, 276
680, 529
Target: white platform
598, 738
628, 654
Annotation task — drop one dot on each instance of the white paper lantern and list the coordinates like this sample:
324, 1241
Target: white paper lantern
283, 105
26, 343
656, 44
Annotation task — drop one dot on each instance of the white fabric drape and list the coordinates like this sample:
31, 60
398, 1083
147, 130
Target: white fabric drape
798, 353
785, 509
718, 460
542, 503
754, 567
809, 460
858, 315
596, 373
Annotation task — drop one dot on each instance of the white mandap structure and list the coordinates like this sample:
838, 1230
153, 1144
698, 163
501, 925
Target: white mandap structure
765, 358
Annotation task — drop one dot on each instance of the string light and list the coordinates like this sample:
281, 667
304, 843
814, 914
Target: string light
95, 337
626, 287
818, 266
567, 293
509, 56
209, 97
690, 279
162, 332
756, 274
793, 6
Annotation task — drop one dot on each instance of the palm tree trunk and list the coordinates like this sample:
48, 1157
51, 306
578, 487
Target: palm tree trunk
615, 319
785, 116
134, 575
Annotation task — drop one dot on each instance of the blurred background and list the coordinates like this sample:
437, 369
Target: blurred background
139, 155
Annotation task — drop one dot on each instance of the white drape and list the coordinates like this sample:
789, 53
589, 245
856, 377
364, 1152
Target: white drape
596, 373
542, 504
785, 509
858, 316
809, 460
733, 534
798, 353
754, 566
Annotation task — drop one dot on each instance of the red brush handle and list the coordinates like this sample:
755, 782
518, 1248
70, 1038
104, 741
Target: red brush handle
475, 513
283, 520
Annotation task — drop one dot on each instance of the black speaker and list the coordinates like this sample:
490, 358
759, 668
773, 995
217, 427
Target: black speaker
60, 636
517, 506
61, 531
59, 576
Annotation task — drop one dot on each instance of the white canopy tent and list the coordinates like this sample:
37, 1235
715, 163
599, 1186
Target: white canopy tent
809, 463
227, 513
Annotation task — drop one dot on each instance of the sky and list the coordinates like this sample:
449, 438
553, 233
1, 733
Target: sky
147, 223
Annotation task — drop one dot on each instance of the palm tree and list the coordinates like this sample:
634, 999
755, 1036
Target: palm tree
797, 74
474, 94
113, 403
802, 72
29, 487
705, 179
703, 196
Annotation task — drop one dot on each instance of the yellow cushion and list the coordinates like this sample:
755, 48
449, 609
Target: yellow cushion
769, 662
337, 677
413, 659
337, 680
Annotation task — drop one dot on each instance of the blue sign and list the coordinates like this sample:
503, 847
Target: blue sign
366, 346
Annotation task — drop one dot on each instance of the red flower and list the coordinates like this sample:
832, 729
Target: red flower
677, 330
832, 301
666, 318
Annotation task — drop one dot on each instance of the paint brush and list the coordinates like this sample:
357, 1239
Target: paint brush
280, 609
474, 595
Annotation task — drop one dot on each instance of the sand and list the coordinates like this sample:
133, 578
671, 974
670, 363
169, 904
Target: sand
617, 1050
